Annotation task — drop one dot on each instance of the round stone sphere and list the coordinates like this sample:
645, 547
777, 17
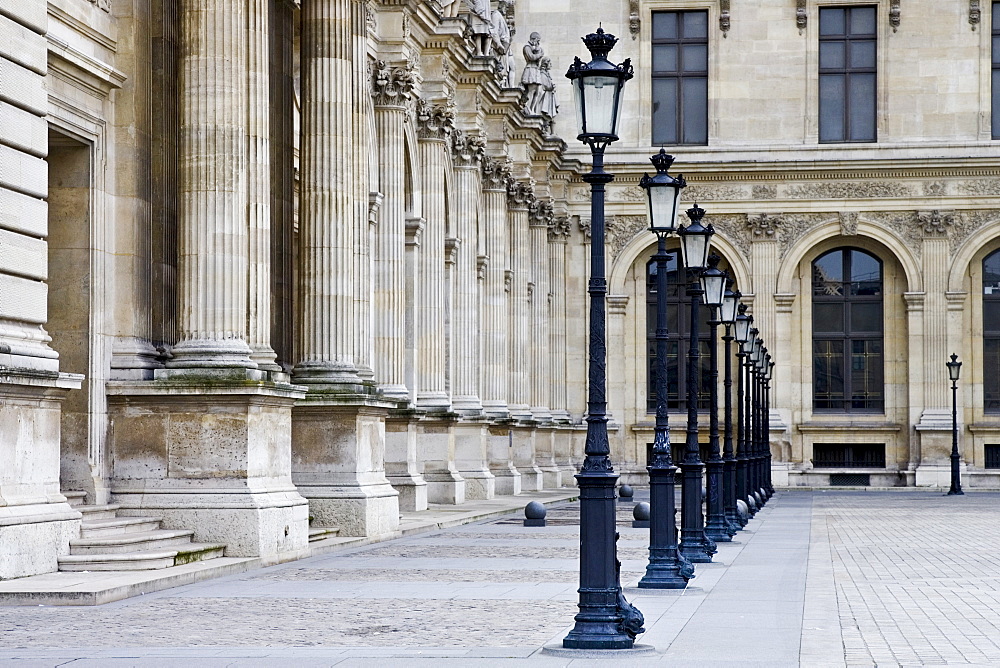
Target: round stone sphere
534, 511
759, 498
751, 502
626, 491
742, 509
641, 511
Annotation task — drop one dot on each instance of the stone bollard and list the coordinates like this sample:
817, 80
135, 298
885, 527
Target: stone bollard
641, 516
534, 514
625, 493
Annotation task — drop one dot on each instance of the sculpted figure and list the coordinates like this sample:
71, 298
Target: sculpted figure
500, 33
481, 24
531, 76
548, 106
449, 8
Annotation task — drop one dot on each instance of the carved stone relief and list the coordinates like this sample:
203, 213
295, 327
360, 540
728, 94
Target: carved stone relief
434, 121
496, 173
634, 22
849, 190
849, 223
733, 228
102, 4
391, 84
467, 149
936, 223
988, 187
894, 14
763, 226
794, 226
975, 14
724, 19
541, 212
521, 195
559, 228
801, 15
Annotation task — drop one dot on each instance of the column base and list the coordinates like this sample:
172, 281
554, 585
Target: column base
212, 456
338, 463
401, 467
472, 460
36, 522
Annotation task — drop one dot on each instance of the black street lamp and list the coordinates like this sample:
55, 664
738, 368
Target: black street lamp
695, 545
606, 620
954, 369
728, 316
758, 469
713, 288
743, 335
753, 438
768, 487
666, 569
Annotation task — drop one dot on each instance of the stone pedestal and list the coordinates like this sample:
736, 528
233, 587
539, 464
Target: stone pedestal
545, 457
532, 478
210, 454
562, 444
437, 448
36, 522
401, 467
338, 463
507, 479
934, 436
472, 458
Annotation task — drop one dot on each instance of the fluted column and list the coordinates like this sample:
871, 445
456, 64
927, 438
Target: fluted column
259, 184
558, 231
539, 219
520, 198
214, 237
495, 317
328, 233
467, 151
434, 125
391, 87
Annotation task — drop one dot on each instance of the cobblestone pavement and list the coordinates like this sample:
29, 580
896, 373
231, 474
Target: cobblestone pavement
816, 579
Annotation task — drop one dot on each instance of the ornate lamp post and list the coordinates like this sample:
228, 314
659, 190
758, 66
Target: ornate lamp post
667, 569
753, 409
954, 369
605, 620
713, 289
728, 315
768, 487
743, 337
695, 545
758, 473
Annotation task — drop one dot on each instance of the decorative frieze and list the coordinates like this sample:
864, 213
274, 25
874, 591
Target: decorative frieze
434, 121
392, 84
763, 192
713, 193
935, 223
849, 190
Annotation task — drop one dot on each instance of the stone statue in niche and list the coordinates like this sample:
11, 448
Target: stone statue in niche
481, 24
501, 36
531, 76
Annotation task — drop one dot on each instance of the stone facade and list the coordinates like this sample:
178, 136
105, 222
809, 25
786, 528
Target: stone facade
270, 261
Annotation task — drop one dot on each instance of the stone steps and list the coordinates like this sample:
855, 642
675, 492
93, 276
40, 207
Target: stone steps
321, 533
111, 543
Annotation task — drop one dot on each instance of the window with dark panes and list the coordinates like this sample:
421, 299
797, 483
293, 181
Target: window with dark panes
679, 326
847, 74
680, 77
996, 71
847, 332
991, 333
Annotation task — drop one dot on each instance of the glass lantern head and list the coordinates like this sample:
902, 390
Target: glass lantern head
695, 240
743, 322
597, 88
730, 303
954, 368
663, 193
713, 283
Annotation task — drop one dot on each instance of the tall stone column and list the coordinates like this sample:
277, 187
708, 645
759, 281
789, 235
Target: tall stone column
339, 428
471, 440
496, 173
520, 197
558, 232
434, 126
36, 523
211, 413
934, 427
391, 89
540, 215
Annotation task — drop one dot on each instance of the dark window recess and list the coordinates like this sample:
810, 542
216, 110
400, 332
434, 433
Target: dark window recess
848, 455
847, 74
680, 77
995, 73
991, 332
850, 480
847, 332
677, 452
992, 451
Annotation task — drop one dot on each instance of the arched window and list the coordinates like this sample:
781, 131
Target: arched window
991, 333
679, 325
848, 361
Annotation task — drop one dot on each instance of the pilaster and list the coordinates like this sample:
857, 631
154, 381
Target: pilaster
520, 197
495, 301
539, 216
558, 232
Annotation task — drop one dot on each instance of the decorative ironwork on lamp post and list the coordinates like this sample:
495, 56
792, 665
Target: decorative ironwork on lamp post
713, 290
743, 337
695, 545
954, 369
666, 569
605, 620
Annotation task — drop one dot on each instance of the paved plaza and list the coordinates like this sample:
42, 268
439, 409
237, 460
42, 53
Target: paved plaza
824, 578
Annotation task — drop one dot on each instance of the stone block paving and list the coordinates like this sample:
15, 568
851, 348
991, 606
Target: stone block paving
816, 579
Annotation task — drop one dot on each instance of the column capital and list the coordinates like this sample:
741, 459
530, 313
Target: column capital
559, 229
764, 226
435, 121
496, 173
541, 212
392, 85
521, 195
467, 149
